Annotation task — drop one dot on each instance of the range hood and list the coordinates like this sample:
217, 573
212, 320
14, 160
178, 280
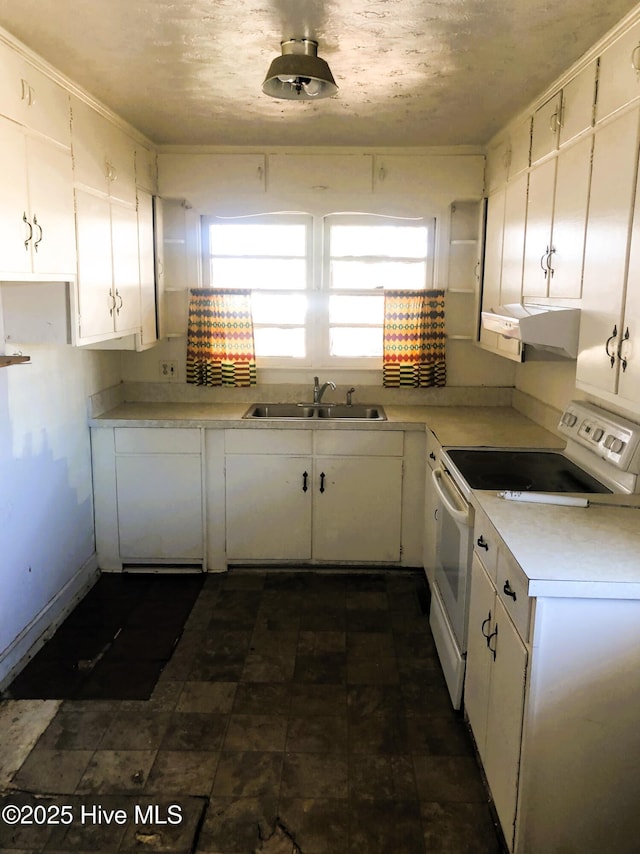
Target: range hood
546, 327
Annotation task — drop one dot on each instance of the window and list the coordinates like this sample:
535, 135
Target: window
318, 282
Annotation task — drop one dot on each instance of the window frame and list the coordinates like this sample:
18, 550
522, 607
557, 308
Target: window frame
318, 289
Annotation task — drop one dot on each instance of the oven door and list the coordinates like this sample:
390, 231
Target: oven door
454, 548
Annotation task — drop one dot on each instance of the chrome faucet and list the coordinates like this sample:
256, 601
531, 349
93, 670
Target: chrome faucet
349, 396
319, 390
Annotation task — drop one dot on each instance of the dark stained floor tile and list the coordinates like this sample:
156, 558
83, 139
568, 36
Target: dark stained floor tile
460, 828
297, 707
195, 731
235, 824
379, 827
247, 774
318, 825
317, 734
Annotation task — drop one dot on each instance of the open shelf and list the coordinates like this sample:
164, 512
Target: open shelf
5, 361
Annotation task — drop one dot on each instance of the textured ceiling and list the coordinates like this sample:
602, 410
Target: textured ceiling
410, 72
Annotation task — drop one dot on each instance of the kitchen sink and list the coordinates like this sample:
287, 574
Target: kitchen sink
326, 411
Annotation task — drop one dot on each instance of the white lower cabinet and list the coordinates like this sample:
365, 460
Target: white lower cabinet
301, 495
494, 693
552, 695
148, 494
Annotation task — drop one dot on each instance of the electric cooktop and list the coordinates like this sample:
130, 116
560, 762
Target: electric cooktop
520, 470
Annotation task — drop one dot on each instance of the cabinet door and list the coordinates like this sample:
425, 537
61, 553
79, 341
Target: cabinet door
513, 242
50, 178
268, 511
612, 184
160, 506
299, 173
15, 254
504, 718
93, 234
618, 77
570, 220
578, 98
478, 673
628, 353
538, 232
357, 516
546, 122
148, 312
126, 268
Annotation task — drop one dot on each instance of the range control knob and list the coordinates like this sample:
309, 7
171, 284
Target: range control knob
617, 446
569, 419
608, 442
598, 433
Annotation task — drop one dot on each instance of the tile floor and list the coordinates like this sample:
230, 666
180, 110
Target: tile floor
300, 713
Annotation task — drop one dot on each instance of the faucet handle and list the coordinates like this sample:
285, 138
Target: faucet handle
349, 393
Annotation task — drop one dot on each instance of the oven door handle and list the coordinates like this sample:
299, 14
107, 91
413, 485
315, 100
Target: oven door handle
462, 513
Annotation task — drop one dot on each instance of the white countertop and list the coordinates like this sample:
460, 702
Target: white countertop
499, 426
584, 552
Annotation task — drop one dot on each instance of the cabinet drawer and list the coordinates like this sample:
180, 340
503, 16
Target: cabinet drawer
268, 441
157, 440
513, 588
365, 443
485, 543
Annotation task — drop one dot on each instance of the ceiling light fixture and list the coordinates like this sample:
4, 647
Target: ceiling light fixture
299, 74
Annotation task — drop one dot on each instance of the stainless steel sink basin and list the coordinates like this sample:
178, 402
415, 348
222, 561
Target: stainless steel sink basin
356, 412
327, 411
279, 410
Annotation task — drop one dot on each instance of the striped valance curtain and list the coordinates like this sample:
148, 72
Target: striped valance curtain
414, 339
220, 347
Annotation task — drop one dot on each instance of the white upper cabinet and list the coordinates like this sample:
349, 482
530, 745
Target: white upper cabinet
36, 207
146, 169
619, 73
497, 165
199, 177
578, 100
565, 115
301, 173
32, 99
103, 155
612, 189
513, 243
546, 124
556, 220
520, 147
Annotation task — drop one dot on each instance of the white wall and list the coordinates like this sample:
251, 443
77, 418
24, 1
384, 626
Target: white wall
46, 510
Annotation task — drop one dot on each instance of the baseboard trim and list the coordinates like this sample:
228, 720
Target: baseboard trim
34, 635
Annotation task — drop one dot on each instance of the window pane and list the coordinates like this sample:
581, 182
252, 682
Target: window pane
271, 341
356, 309
394, 241
258, 239
258, 273
386, 274
356, 342
271, 308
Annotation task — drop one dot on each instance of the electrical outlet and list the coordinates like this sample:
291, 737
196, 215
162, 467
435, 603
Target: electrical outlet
168, 370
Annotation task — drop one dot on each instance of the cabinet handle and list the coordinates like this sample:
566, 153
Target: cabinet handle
634, 58
28, 224
322, 476
544, 265
482, 543
484, 623
612, 337
39, 227
548, 262
492, 649
113, 302
508, 590
119, 296
432, 456
623, 359
305, 475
